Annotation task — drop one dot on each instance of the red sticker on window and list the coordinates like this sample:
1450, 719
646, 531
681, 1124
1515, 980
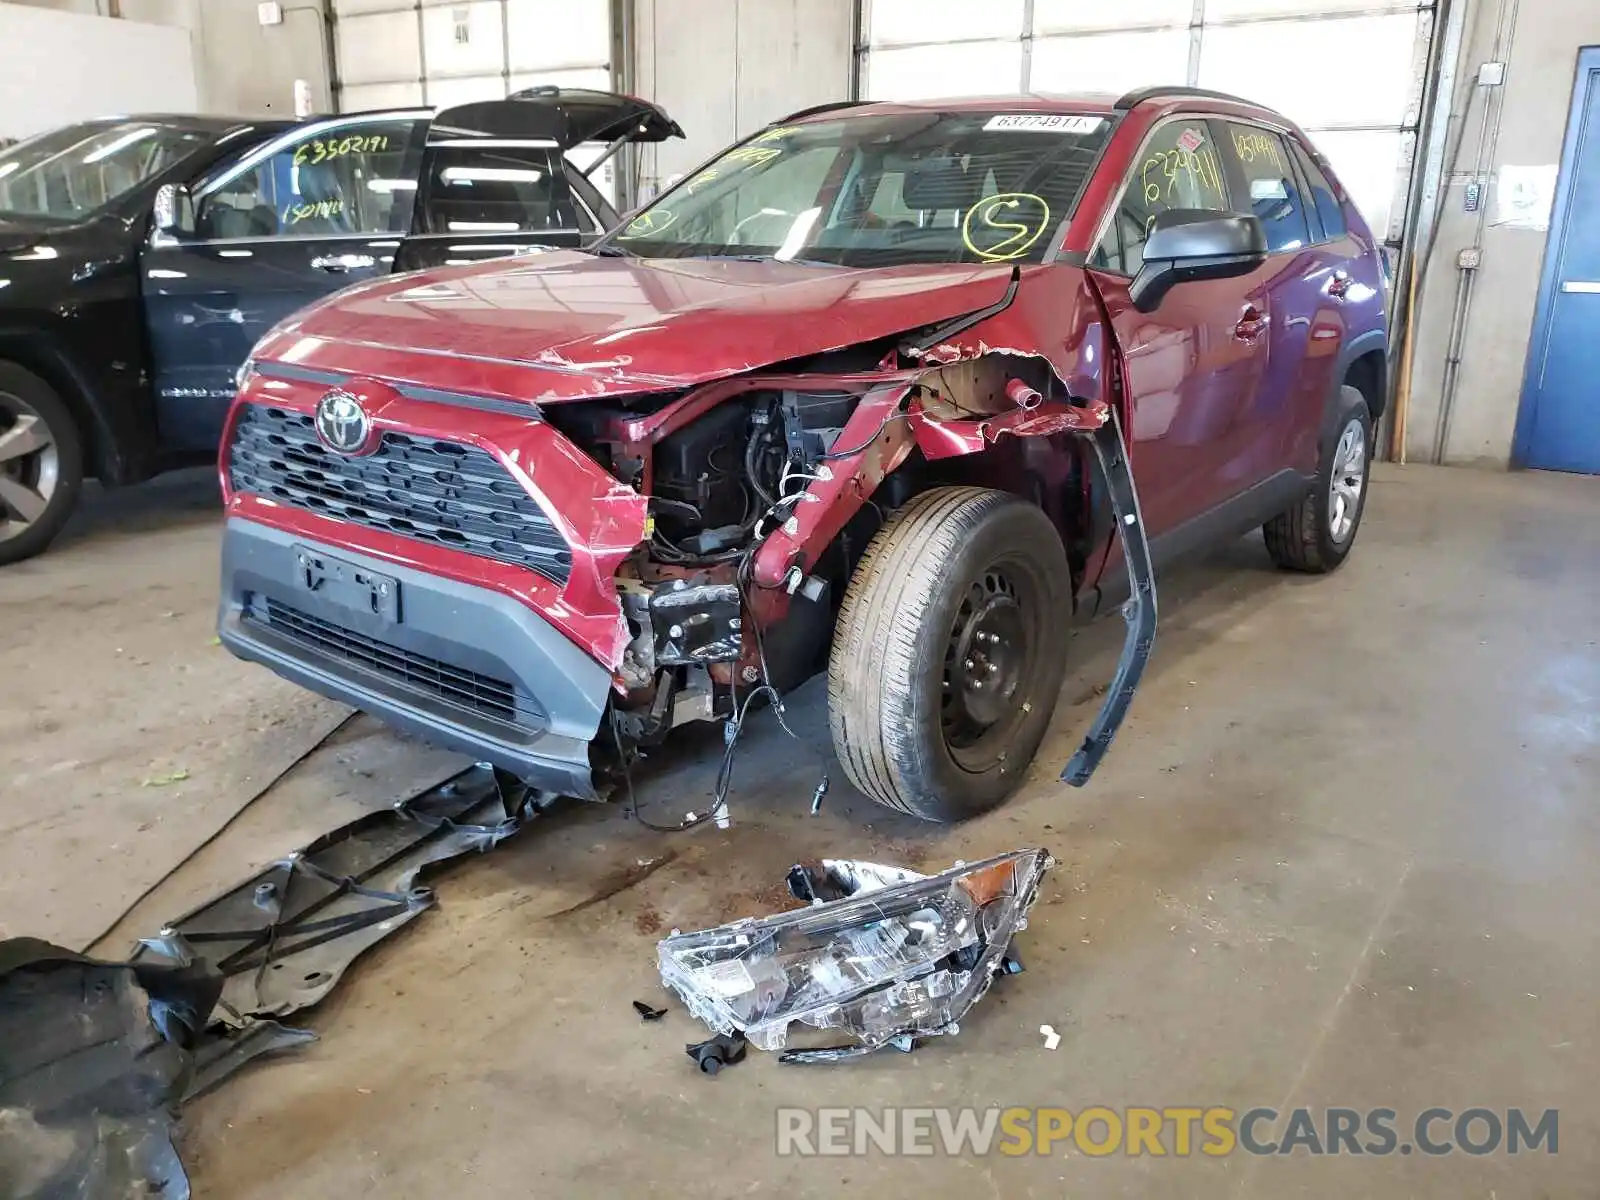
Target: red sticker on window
1191, 140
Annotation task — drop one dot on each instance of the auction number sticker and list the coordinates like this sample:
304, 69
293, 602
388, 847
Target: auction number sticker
1044, 123
1191, 140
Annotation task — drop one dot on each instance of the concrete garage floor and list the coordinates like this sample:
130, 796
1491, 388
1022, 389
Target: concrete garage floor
1342, 854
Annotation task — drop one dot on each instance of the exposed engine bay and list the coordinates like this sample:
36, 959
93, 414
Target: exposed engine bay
765, 491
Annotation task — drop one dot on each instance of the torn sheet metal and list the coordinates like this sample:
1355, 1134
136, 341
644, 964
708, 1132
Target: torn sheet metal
283, 938
1045, 418
94, 1058
882, 953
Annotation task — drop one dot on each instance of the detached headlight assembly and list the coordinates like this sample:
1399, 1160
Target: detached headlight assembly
886, 954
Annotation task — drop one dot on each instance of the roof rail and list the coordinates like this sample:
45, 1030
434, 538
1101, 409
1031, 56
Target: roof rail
1140, 95
819, 108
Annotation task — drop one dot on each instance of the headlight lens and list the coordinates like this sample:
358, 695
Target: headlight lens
897, 954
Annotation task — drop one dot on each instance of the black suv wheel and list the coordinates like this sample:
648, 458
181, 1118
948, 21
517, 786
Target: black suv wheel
41, 464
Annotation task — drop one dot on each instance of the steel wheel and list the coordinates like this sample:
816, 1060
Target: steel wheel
30, 466
1347, 481
949, 651
986, 663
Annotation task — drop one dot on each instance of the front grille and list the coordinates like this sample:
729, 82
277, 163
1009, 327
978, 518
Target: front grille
436, 491
477, 693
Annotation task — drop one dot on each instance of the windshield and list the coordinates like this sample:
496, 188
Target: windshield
881, 190
69, 173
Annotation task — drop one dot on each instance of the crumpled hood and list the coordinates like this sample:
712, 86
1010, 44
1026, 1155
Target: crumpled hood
569, 325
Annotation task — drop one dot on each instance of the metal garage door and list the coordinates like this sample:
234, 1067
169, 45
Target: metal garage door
438, 53
1349, 71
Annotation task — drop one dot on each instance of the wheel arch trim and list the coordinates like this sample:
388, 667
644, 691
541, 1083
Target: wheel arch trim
36, 349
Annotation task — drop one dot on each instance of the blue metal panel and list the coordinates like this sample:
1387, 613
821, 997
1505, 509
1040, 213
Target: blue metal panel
1558, 423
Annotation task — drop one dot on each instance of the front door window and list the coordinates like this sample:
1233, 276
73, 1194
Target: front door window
344, 179
1177, 168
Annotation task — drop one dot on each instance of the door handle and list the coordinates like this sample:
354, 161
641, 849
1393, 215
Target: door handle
1339, 285
1252, 324
338, 264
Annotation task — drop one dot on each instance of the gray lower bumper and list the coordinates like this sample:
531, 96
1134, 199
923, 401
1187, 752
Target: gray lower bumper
463, 667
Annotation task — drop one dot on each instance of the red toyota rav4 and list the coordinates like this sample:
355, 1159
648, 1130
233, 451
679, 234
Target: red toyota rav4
868, 393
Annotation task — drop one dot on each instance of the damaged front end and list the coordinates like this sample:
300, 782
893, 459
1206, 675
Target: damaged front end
883, 954
765, 488
554, 589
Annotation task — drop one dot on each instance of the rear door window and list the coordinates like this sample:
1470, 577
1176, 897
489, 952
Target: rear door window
1323, 198
1271, 192
499, 189
1177, 168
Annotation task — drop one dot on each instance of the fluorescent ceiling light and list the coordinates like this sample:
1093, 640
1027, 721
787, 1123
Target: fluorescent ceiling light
121, 143
491, 175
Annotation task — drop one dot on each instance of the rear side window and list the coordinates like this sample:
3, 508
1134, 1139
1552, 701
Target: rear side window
1177, 168
469, 189
1323, 198
1271, 191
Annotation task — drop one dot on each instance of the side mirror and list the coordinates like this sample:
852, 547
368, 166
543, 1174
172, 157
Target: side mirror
1187, 244
173, 213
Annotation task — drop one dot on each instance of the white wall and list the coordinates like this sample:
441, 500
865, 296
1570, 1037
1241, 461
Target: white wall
237, 66
58, 67
724, 68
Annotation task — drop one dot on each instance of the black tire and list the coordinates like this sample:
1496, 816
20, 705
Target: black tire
957, 570
1307, 537
24, 534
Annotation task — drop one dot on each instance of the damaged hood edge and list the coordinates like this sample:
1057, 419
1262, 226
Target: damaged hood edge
574, 327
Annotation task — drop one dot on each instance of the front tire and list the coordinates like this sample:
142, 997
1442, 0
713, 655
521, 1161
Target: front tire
1316, 535
949, 652
41, 464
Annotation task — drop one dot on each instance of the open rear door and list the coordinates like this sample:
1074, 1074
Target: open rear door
496, 180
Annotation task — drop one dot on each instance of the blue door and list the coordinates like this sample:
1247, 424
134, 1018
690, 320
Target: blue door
1558, 427
320, 207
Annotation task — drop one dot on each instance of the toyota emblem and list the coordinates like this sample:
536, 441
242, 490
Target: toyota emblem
342, 424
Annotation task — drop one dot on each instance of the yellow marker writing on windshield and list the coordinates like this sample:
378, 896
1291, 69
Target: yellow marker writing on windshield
1020, 216
700, 180
752, 155
646, 223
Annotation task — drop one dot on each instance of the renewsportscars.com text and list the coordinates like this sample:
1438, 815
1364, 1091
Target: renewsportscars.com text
1168, 1131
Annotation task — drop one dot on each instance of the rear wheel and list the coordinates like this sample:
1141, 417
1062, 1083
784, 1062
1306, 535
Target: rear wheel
41, 464
949, 653
1317, 533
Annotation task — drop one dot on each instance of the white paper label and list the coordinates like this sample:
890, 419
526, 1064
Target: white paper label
1046, 122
